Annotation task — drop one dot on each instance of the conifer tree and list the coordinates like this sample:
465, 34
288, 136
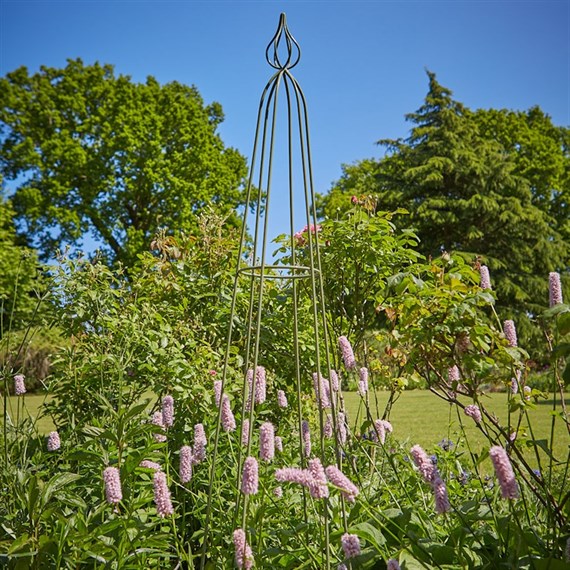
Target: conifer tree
471, 187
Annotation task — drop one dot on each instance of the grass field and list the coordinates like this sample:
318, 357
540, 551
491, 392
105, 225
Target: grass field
421, 417
418, 417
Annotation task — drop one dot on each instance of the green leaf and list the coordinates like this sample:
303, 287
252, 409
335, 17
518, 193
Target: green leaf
56, 483
370, 533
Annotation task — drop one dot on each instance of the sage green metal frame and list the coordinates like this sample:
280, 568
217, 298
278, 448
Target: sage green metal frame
258, 198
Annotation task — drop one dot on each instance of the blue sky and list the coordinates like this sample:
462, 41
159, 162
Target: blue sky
362, 67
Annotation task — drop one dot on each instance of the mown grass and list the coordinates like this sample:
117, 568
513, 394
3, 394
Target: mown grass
421, 417
29, 407
418, 416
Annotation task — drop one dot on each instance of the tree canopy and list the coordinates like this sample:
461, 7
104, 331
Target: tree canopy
491, 184
95, 153
21, 282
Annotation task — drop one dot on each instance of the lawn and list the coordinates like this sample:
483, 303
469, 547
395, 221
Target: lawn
418, 417
421, 417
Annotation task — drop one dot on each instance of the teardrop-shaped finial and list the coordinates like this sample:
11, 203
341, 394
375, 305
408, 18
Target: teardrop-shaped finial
291, 52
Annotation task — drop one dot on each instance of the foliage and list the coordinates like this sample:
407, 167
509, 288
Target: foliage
21, 277
103, 156
358, 254
487, 184
162, 327
160, 333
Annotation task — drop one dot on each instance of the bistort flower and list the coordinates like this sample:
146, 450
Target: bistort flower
347, 353
337, 478
158, 421
228, 420
554, 289
186, 461
168, 411
147, 464
250, 477
510, 332
200, 442
267, 441
504, 472
318, 486
474, 412
350, 545
217, 392
440, 494
281, 399
53, 441
306, 432
485, 282
392, 564
243, 553
19, 385
423, 463
113, 491
162, 495
363, 382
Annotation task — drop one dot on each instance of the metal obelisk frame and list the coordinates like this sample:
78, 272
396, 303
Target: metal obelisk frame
283, 53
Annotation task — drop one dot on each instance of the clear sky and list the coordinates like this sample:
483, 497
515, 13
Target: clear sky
362, 67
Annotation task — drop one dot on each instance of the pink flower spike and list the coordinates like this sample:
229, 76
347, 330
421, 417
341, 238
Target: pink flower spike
278, 492
485, 282
146, 464
53, 441
294, 475
453, 374
347, 353
341, 428
337, 478
186, 461
306, 432
527, 392
217, 392
423, 463
440, 494
335, 384
554, 289
113, 491
278, 444
350, 545
162, 495
504, 472
363, 382
250, 477
168, 411
260, 386
245, 432
510, 332
474, 412
322, 390
243, 553
328, 427
392, 564
281, 399
318, 486
379, 432
158, 421
19, 385
200, 443
267, 441
515, 382
228, 420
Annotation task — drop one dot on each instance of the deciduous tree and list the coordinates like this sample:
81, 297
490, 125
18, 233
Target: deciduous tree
93, 152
